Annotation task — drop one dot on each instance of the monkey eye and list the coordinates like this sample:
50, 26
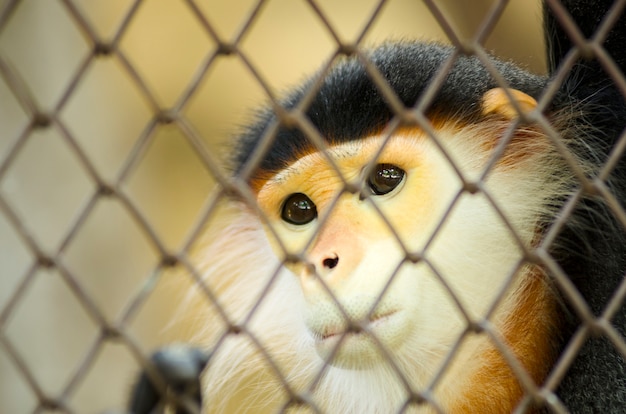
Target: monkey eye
384, 178
298, 209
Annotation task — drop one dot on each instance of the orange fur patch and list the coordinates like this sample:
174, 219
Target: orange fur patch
529, 332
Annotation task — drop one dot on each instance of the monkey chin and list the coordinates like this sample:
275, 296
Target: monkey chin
356, 348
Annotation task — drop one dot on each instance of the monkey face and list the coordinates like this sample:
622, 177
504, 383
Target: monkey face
384, 273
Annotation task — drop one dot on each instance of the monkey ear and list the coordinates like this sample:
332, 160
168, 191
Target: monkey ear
497, 101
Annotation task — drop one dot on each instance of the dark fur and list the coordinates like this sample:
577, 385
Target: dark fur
596, 383
348, 106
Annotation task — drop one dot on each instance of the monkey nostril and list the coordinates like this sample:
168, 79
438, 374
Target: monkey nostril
331, 263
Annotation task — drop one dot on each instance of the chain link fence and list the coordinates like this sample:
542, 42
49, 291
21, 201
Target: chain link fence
113, 116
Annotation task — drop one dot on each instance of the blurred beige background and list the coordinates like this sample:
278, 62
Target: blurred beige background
47, 187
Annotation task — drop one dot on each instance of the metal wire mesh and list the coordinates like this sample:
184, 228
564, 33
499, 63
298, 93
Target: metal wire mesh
84, 190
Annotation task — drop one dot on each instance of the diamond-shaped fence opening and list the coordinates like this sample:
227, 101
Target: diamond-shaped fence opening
43, 44
115, 122
103, 134
177, 49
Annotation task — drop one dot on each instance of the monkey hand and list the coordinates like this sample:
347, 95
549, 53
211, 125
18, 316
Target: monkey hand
171, 381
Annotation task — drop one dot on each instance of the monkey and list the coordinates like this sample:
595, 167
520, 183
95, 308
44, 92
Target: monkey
419, 247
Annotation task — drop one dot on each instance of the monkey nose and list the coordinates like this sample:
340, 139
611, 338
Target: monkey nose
320, 274
330, 262
322, 266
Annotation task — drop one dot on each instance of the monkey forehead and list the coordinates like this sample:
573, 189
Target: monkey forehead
322, 174
342, 156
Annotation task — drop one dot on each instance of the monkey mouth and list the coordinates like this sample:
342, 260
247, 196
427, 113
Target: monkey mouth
362, 344
338, 330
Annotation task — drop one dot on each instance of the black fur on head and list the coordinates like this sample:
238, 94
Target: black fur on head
349, 106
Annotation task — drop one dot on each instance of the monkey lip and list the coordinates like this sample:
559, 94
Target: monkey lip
338, 330
360, 345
